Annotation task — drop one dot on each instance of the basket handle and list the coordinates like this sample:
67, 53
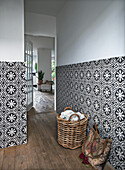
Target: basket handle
67, 108
73, 115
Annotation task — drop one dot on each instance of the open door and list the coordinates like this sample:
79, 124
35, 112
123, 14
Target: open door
29, 66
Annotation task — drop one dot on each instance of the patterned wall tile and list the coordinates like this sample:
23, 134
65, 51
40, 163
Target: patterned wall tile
12, 104
97, 88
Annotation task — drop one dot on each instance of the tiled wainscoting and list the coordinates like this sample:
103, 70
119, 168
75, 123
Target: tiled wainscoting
13, 126
97, 88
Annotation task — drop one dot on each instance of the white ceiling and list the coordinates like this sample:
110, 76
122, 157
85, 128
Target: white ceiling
46, 7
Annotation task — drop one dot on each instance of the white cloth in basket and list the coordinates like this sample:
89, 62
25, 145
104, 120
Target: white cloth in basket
66, 114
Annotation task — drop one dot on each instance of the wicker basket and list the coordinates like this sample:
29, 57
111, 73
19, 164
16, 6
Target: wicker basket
71, 134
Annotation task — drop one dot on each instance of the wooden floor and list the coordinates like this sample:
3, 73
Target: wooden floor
42, 150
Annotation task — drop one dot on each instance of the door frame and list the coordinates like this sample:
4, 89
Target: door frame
55, 44
30, 55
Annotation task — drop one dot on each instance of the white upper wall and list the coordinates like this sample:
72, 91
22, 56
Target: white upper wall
11, 30
44, 63
41, 42
44, 7
40, 25
90, 30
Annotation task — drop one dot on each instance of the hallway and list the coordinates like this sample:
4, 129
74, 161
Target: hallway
42, 152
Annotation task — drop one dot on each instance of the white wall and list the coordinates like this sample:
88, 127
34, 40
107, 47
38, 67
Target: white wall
41, 25
44, 62
89, 30
11, 30
41, 42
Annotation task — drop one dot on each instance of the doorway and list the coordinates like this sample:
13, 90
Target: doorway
40, 56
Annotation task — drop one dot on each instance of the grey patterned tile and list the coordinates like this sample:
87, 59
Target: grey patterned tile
97, 88
13, 95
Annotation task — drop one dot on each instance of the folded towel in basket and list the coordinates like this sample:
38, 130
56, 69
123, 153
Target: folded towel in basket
66, 114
